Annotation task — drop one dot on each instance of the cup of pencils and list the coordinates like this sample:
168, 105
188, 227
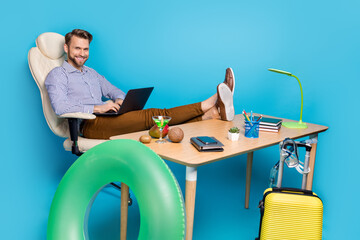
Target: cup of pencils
251, 126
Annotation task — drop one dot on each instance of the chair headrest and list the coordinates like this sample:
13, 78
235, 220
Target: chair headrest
51, 45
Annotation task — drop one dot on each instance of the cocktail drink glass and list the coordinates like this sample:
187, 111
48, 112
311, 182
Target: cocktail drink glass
161, 122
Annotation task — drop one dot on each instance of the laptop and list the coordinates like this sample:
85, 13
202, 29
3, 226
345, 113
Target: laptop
134, 100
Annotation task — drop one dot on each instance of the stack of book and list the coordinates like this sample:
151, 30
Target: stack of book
268, 124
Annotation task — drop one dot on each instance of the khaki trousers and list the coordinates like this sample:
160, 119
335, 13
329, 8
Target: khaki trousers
103, 127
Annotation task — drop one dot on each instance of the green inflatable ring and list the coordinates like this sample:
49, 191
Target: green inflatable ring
157, 192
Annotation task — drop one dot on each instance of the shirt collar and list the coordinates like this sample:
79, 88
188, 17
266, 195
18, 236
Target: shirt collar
69, 68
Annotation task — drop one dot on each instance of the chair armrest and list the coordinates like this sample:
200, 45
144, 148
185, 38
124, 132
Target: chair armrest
79, 115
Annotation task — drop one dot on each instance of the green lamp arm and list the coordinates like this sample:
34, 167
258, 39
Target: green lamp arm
301, 110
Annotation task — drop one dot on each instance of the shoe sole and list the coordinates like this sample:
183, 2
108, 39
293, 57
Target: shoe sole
233, 90
226, 100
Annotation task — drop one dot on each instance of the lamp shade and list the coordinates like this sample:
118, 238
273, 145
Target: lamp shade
279, 71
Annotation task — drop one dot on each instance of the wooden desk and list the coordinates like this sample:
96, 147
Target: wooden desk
184, 153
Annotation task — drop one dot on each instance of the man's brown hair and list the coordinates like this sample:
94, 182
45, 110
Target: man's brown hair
78, 33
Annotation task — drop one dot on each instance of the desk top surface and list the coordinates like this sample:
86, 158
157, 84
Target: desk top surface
186, 154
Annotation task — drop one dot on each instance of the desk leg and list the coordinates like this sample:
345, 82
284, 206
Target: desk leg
310, 176
124, 210
190, 192
248, 178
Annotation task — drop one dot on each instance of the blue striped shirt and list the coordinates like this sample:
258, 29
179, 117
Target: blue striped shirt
71, 90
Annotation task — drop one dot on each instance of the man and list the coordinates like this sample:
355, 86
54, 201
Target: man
74, 87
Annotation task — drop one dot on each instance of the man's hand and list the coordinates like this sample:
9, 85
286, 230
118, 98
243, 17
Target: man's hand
108, 106
119, 101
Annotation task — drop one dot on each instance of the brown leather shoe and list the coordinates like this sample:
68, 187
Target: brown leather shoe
225, 102
230, 79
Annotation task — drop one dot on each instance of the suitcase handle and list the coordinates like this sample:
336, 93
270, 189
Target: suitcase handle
306, 192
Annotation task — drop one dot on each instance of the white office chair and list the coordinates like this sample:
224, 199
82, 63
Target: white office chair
48, 54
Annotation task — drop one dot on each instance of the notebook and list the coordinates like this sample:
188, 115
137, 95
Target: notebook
134, 100
203, 147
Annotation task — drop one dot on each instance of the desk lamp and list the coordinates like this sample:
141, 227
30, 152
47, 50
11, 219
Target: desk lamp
299, 124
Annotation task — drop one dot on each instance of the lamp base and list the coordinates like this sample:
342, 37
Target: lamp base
294, 125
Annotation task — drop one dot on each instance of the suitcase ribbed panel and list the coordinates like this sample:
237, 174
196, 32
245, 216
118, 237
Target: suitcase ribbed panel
291, 216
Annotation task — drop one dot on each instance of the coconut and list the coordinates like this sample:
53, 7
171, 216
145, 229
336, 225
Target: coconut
176, 134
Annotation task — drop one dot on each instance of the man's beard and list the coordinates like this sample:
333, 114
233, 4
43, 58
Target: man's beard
74, 61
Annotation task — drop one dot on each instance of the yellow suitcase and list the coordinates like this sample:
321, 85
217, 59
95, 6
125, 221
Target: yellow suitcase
288, 214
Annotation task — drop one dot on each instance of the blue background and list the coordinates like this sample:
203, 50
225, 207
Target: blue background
182, 49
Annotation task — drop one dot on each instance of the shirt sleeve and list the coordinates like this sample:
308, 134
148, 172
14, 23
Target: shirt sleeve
56, 85
109, 90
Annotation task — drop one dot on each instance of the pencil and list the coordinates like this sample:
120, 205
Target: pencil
246, 116
259, 118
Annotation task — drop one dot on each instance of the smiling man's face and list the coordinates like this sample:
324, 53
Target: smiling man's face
77, 51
